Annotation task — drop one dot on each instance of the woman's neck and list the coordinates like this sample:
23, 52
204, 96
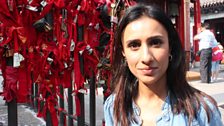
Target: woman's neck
150, 100
152, 92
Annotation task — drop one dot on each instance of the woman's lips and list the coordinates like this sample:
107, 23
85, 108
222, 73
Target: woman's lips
147, 71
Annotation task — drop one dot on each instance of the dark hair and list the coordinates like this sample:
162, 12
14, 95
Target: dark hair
124, 82
205, 25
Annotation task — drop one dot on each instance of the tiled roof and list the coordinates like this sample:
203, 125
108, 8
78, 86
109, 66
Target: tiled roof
207, 3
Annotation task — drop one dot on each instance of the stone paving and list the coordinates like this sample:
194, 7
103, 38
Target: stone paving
26, 117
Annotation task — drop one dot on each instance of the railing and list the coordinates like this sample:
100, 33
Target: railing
63, 113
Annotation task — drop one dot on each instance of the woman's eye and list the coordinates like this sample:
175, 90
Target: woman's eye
156, 42
134, 45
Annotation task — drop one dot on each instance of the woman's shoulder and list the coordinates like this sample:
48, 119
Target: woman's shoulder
109, 104
108, 110
212, 110
110, 100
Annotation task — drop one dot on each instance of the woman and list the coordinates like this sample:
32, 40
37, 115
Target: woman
149, 81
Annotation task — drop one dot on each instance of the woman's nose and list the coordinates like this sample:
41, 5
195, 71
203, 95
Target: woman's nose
146, 55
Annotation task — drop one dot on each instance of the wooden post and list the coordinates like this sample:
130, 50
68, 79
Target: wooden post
32, 97
12, 113
48, 114
197, 24
12, 105
48, 118
187, 45
81, 118
70, 106
181, 23
36, 97
61, 100
92, 100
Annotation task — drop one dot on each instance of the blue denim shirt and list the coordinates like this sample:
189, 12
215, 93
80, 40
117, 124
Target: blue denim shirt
167, 118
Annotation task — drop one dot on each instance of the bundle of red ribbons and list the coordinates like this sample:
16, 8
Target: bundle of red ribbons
44, 39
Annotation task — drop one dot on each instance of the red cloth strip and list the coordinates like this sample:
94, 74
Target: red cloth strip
10, 83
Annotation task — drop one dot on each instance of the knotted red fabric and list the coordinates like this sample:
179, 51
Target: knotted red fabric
10, 83
7, 17
51, 102
24, 84
52, 62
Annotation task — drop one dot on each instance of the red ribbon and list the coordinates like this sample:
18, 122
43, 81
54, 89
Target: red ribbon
24, 87
79, 78
10, 83
48, 93
59, 51
51, 103
57, 3
2, 30
15, 34
7, 17
66, 78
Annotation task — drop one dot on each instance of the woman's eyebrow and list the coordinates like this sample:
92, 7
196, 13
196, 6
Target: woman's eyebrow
131, 40
155, 37
148, 39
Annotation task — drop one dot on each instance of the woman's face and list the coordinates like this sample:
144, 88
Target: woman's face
146, 49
